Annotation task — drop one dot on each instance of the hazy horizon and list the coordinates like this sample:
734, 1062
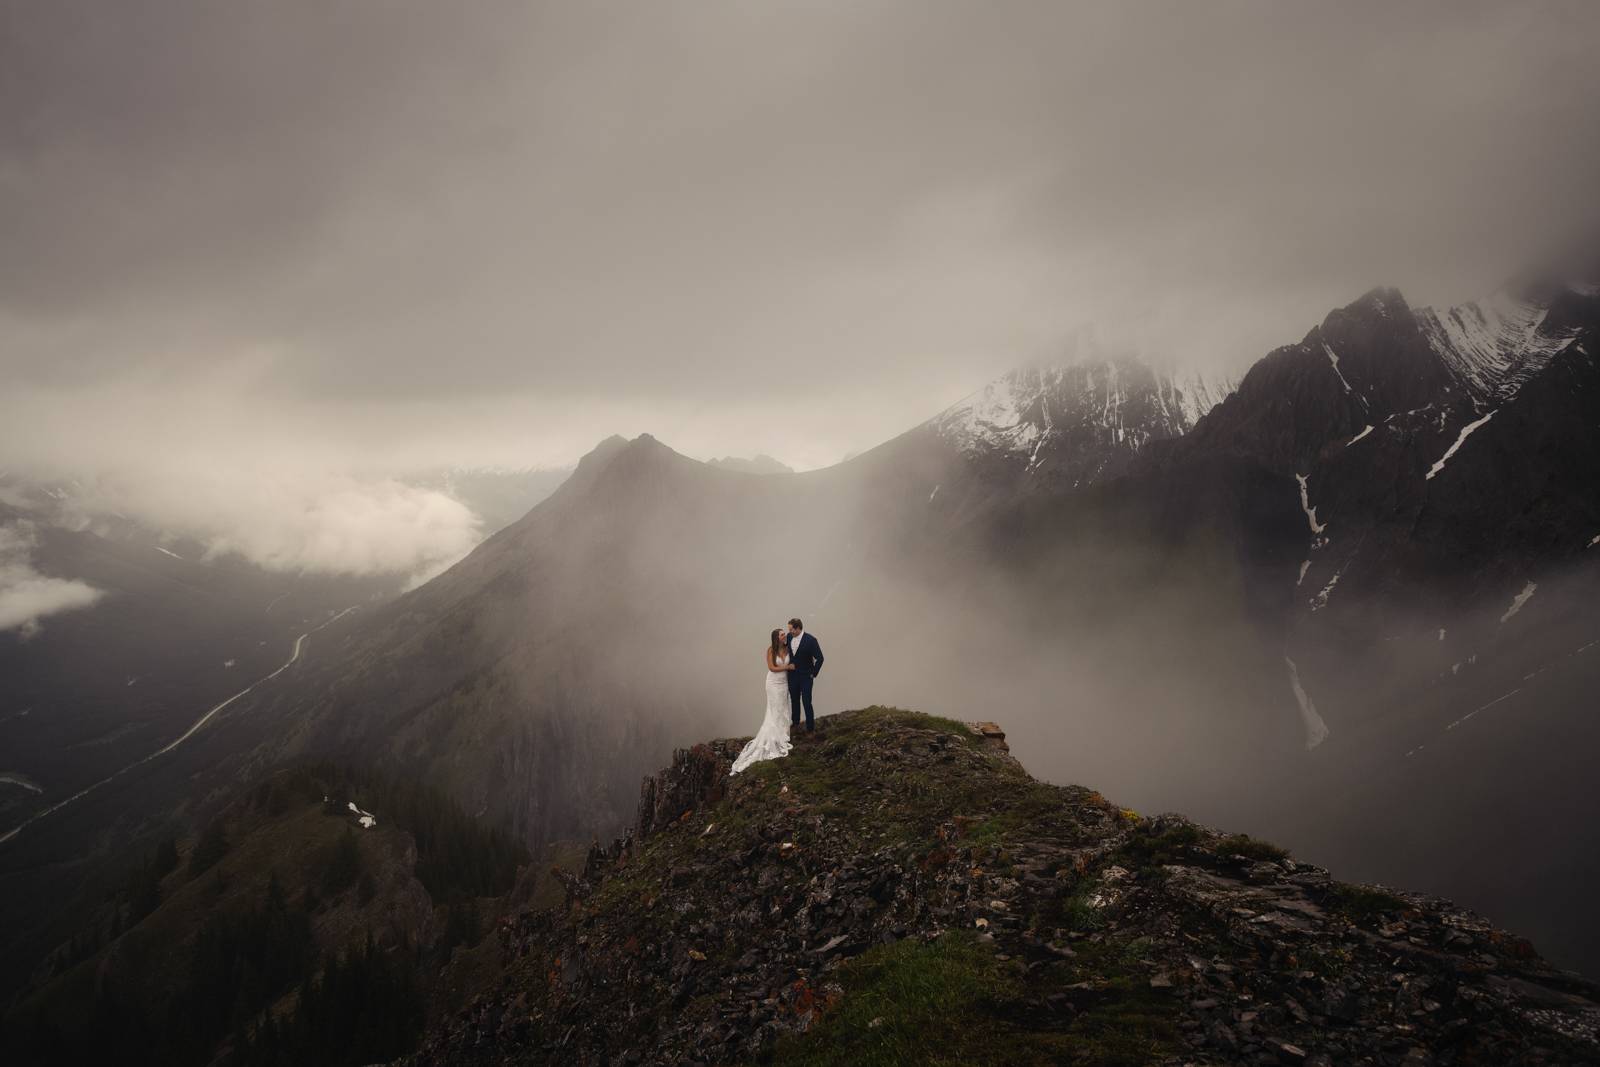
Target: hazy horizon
275, 257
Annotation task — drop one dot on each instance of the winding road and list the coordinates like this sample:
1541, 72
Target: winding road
294, 655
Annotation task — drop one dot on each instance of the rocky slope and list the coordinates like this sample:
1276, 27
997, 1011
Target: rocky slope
899, 890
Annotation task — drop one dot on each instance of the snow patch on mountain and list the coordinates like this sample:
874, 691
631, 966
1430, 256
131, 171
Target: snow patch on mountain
1320, 601
996, 414
1519, 600
1118, 404
1193, 395
1494, 346
1305, 506
1316, 729
1466, 431
1334, 360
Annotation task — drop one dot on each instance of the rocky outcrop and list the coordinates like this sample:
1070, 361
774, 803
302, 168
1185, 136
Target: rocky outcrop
777, 914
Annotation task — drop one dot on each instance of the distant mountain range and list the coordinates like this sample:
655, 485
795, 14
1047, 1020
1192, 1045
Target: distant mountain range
1286, 605
758, 464
1303, 554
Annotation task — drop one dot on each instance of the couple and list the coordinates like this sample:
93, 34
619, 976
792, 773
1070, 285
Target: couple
794, 659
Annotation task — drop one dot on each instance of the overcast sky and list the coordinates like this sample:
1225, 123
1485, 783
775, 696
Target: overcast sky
298, 239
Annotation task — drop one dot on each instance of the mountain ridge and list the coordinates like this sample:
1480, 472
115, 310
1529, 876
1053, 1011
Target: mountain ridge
1202, 592
899, 889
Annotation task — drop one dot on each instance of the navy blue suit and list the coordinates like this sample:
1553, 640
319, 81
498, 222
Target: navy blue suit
807, 659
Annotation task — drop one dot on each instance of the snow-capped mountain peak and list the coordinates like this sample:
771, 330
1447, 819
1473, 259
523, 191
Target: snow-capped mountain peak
1078, 417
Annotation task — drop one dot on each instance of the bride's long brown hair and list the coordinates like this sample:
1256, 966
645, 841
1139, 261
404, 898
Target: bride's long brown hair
776, 648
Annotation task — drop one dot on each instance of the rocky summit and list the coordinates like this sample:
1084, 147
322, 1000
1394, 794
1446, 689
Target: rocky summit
899, 890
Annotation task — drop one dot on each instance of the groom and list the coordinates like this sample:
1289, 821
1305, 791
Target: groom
806, 655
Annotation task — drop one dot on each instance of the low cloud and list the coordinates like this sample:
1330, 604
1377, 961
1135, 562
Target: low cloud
26, 596
316, 522
218, 459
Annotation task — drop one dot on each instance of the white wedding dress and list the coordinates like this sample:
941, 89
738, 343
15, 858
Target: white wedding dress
772, 740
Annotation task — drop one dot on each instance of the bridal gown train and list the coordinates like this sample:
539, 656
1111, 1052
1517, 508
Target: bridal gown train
772, 740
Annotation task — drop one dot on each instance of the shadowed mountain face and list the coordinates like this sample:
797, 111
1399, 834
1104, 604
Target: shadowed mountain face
1442, 617
1446, 465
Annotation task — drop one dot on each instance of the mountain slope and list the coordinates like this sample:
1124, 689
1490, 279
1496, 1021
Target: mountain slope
297, 904
1340, 561
172, 633
538, 678
899, 890
1441, 460
1440, 614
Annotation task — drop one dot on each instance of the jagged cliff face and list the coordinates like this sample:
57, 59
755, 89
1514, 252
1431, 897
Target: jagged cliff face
1438, 622
898, 889
1443, 461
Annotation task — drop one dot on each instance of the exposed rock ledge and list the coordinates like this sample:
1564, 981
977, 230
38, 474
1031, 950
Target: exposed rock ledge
898, 889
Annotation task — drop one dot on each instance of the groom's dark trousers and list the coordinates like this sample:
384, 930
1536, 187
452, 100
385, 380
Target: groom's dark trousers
800, 692
807, 665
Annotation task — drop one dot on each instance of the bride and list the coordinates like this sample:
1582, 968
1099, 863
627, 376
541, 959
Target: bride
772, 740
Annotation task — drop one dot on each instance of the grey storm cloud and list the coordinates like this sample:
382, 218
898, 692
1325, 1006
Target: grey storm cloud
344, 235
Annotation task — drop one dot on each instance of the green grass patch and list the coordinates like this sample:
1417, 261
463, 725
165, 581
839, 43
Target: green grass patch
951, 1002
949, 726
1076, 913
1251, 848
944, 1002
880, 714
1364, 905
1130, 1027
1126, 1023
1147, 850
